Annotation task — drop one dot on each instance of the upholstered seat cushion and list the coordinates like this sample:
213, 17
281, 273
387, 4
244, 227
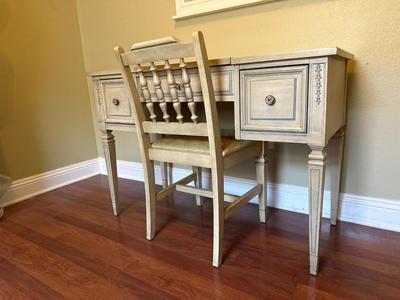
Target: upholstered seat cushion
199, 144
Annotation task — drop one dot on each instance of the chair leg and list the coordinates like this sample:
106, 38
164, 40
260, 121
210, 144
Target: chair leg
170, 168
261, 171
164, 174
150, 193
198, 184
218, 215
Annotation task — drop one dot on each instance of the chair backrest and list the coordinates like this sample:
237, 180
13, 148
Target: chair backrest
142, 60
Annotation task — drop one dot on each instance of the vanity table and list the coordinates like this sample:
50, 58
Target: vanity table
296, 97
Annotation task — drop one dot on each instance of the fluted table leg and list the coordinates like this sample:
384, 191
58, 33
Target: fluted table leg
316, 177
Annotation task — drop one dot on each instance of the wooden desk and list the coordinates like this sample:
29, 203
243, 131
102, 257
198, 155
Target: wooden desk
296, 97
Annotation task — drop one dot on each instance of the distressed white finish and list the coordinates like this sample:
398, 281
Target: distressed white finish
316, 179
318, 79
285, 87
198, 182
110, 157
323, 112
313, 53
164, 174
335, 166
262, 173
150, 130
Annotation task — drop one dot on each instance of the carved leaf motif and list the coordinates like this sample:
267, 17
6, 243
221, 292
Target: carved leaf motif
98, 92
318, 83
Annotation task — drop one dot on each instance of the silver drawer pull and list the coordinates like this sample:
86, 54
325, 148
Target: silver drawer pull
270, 100
115, 102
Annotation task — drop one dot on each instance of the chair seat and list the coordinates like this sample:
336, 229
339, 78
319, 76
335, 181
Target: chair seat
199, 144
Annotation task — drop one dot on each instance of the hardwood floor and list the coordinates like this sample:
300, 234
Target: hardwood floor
67, 244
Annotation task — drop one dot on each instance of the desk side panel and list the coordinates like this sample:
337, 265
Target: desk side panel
336, 96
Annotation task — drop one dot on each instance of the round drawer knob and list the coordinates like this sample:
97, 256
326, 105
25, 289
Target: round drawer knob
115, 102
270, 100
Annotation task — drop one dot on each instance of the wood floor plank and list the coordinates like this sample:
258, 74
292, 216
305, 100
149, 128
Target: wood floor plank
143, 266
173, 254
91, 271
22, 285
67, 244
307, 292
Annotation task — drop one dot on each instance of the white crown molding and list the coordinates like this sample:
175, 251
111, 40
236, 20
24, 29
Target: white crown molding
368, 211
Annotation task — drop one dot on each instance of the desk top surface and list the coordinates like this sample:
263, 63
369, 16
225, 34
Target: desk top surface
321, 52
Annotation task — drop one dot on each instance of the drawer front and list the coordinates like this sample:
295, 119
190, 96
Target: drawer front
113, 98
274, 99
116, 102
222, 78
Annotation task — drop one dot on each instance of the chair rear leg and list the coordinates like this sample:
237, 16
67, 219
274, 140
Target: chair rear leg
261, 171
150, 193
164, 174
170, 168
218, 215
199, 184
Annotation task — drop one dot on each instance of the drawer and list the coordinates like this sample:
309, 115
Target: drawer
116, 103
112, 96
221, 76
274, 99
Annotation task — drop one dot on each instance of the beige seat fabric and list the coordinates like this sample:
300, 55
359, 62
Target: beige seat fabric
199, 144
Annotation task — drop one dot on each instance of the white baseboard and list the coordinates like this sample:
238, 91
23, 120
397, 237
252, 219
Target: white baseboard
368, 211
374, 212
38, 184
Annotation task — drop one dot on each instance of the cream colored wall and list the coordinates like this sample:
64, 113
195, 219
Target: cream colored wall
369, 29
45, 120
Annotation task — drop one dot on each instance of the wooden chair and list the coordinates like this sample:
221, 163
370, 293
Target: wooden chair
194, 143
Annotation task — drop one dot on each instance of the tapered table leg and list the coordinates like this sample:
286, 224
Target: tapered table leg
335, 166
261, 174
316, 177
111, 164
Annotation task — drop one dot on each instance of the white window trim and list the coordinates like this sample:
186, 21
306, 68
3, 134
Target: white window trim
186, 9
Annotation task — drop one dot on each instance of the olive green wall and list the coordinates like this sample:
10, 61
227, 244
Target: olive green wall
369, 29
45, 119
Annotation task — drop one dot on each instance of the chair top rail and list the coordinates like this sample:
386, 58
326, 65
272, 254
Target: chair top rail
158, 53
156, 42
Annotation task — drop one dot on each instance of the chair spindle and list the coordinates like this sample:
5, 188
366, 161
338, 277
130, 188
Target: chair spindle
159, 92
146, 93
173, 92
188, 90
